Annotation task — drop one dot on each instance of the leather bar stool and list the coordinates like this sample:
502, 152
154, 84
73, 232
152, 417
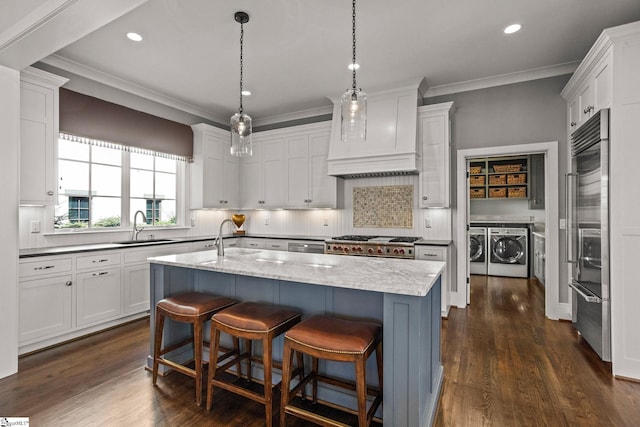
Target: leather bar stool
336, 339
249, 321
191, 307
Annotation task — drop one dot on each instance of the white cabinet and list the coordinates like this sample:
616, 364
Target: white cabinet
263, 174
99, 296
434, 135
538, 257
45, 307
439, 253
38, 136
215, 173
276, 244
308, 184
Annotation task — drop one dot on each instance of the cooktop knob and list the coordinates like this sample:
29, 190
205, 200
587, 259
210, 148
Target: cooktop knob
370, 250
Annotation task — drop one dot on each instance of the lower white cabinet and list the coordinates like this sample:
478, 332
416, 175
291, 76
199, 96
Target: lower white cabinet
44, 307
439, 253
99, 296
135, 288
539, 257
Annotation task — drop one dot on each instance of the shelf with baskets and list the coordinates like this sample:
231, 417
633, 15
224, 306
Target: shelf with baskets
499, 178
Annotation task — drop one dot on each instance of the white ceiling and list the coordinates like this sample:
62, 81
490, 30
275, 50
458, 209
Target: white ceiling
296, 52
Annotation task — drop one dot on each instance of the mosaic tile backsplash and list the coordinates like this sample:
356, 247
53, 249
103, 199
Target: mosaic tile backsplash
383, 207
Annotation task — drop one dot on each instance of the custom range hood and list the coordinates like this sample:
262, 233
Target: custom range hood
391, 147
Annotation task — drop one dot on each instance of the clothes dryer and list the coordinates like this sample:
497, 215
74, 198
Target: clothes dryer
508, 252
478, 250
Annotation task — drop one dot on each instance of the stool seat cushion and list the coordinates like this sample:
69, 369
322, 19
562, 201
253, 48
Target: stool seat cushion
194, 303
254, 317
335, 335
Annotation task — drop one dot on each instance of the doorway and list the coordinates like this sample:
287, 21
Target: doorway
554, 309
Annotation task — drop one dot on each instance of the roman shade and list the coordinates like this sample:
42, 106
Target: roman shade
90, 117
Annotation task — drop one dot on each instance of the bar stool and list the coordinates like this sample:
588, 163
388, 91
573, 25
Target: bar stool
191, 307
251, 321
331, 338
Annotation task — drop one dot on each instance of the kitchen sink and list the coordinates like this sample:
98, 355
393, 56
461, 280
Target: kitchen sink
133, 242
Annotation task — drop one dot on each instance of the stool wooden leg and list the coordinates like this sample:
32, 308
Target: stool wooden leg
157, 343
268, 391
236, 349
287, 358
379, 363
213, 363
361, 390
249, 351
300, 363
197, 356
314, 368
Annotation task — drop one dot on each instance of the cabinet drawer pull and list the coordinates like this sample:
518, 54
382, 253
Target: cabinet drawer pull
95, 261
69, 283
275, 246
44, 267
209, 245
102, 273
431, 255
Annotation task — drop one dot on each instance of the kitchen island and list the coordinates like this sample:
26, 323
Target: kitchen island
403, 294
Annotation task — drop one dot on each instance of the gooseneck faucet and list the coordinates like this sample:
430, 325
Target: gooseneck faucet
136, 231
219, 241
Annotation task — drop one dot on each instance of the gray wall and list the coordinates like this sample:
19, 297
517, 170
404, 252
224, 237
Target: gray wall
514, 114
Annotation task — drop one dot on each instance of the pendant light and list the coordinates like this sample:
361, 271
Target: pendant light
241, 122
354, 100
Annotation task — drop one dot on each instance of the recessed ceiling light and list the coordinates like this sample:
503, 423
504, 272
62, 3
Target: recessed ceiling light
134, 37
513, 28
246, 92
353, 66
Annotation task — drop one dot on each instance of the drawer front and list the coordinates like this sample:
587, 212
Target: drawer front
277, 245
100, 260
253, 243
44, 266
431, 254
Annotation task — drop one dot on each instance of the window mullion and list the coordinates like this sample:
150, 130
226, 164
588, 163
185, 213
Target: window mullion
126, 189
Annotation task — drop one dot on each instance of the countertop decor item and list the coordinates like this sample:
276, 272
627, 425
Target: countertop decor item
238, 220
241, 122
354, 100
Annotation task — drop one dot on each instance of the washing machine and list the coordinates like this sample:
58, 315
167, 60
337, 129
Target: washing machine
478, 250
508, 252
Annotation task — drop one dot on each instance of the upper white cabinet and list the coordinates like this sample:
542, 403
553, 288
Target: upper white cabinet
434, 135
308, 185
263, 173
592, 93
38, 135
215, 173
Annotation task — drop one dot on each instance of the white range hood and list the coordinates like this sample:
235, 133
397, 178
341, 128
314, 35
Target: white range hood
391, 147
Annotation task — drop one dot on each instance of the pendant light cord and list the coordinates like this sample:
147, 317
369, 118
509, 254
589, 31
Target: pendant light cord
241, 62
353, 34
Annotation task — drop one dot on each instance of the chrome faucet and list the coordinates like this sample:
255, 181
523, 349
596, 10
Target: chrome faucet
219, 241
136, 231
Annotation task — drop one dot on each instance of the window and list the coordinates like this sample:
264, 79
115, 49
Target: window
100, 183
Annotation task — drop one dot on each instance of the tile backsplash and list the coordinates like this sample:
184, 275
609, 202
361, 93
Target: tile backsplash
383, 206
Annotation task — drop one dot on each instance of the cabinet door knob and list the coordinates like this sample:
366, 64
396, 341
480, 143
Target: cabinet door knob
573, 124
425, 198
49, 193
69, 283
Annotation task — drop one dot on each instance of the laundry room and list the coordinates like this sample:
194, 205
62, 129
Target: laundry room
507, 216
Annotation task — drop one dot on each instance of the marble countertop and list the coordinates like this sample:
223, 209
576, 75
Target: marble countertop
396, 276
433, 242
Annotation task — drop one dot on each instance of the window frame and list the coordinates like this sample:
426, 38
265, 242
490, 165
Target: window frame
125, 206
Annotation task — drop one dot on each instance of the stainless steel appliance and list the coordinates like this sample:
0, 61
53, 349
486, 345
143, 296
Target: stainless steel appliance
478, 250
508, 252
376, 246
588, 232
310, 248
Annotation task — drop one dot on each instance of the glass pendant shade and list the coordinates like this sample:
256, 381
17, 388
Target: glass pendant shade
354, 116
241, 145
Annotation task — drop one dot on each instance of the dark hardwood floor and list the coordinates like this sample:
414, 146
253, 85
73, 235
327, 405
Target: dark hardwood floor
505, 365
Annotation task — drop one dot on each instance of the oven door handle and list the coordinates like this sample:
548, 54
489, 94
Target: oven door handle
584, 292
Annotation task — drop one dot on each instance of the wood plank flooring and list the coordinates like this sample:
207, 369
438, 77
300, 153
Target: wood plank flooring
505, 365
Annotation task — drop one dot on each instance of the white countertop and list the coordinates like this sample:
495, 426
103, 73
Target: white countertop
396, 276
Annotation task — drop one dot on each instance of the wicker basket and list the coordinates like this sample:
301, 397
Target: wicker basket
477, 193
474, 170
497, 179
507, 168
497, 193
476, 180
517, 178
517, 192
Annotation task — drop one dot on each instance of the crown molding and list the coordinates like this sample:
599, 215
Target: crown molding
126, 86
296, 115
503, 79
